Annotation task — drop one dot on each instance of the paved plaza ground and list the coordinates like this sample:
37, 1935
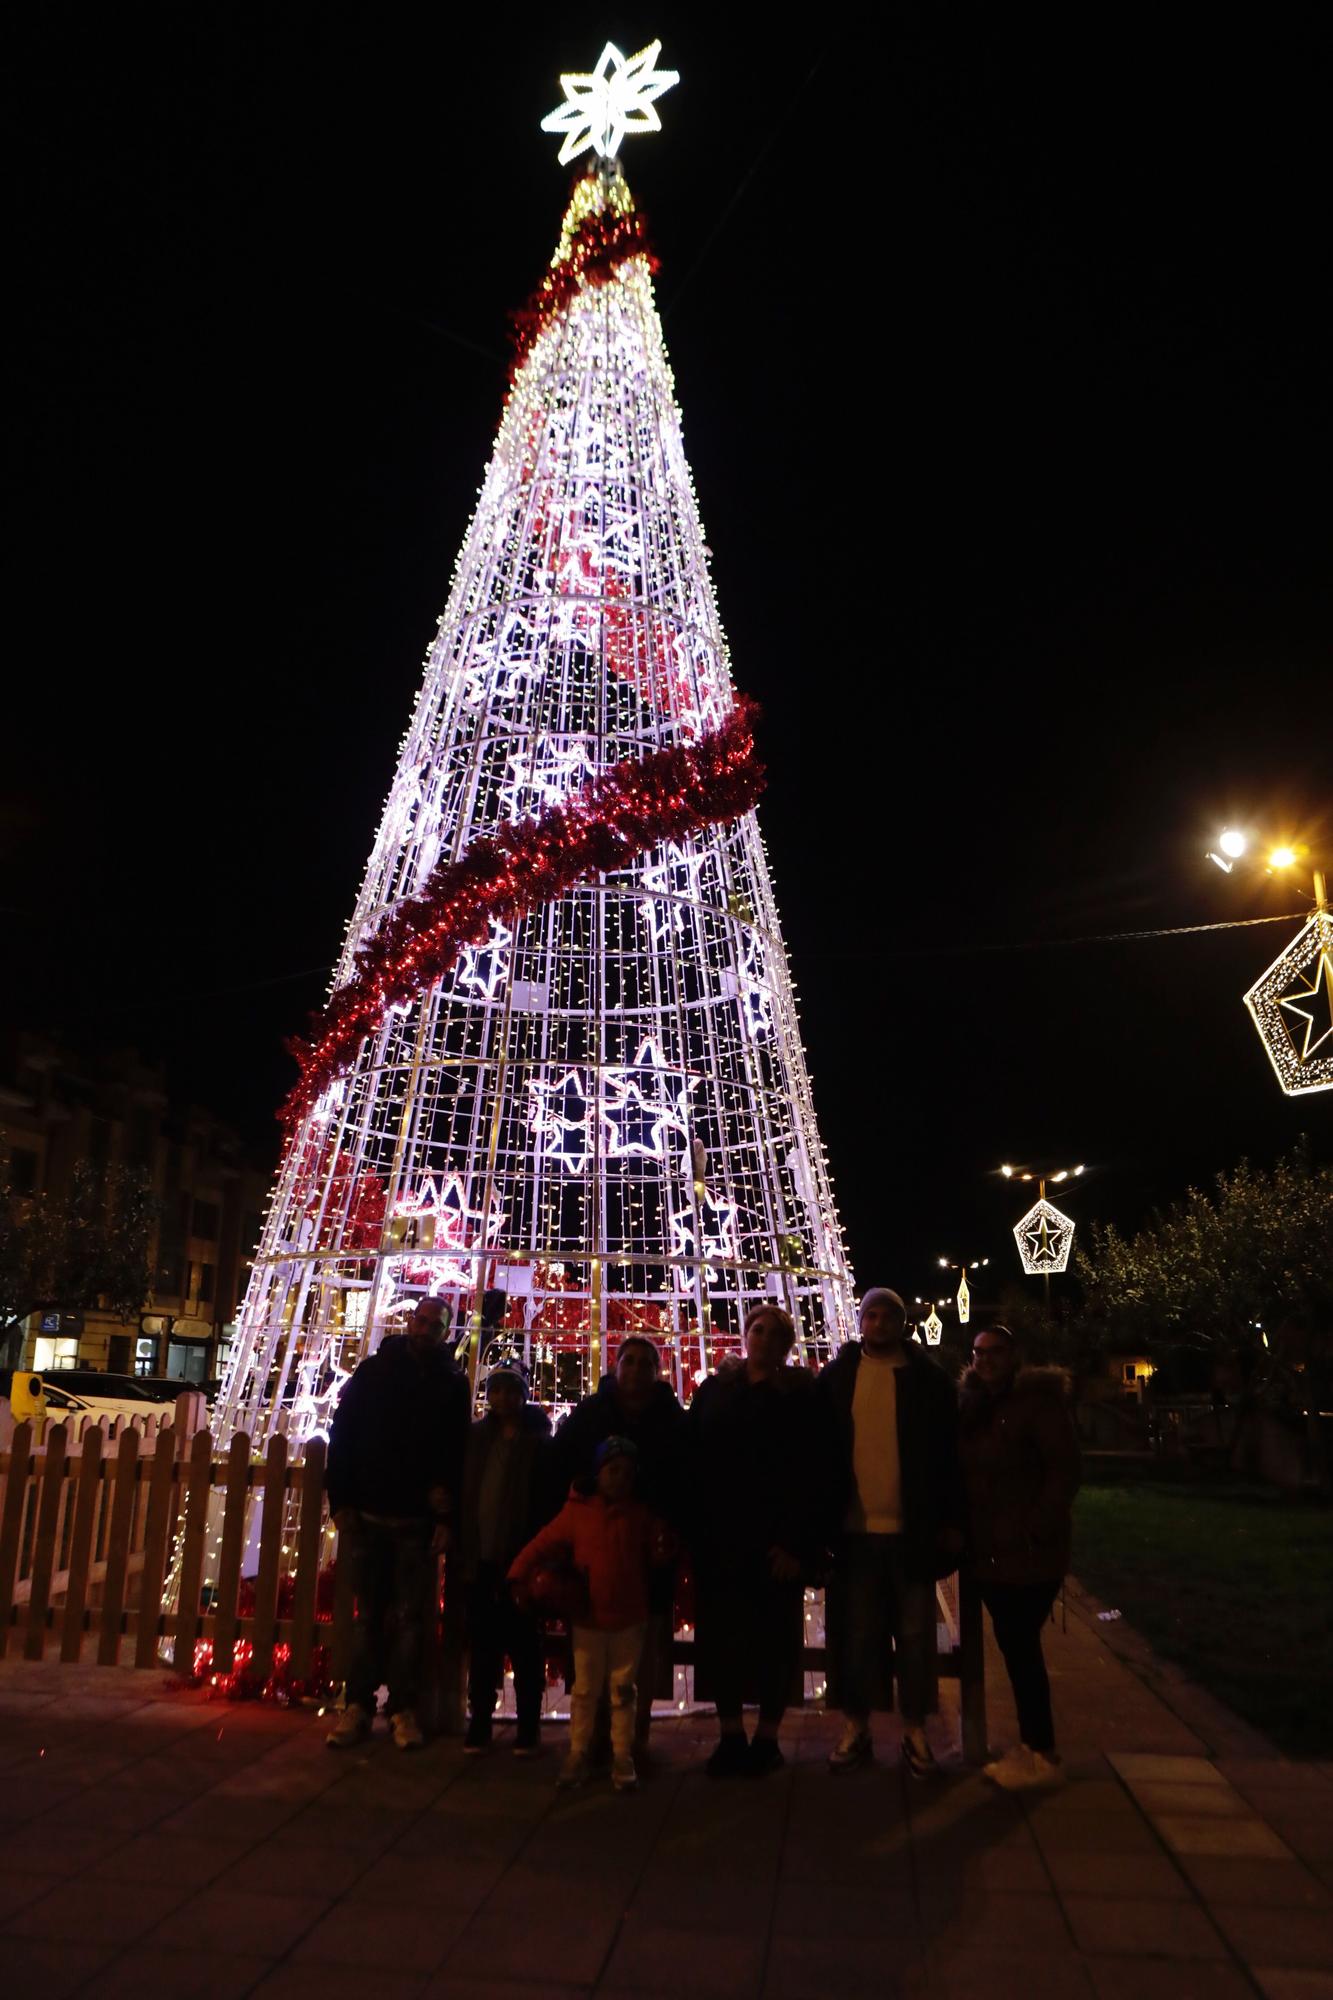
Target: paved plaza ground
158, 1843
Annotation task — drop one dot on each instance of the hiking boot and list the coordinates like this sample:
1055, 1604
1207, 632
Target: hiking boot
478, 1738
624, 1777
352, 1726
918, 1757
405, 1730
573, 1772
854, 1748
765, 1757
731, 1758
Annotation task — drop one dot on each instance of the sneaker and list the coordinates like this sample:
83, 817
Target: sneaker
478, 1738
854, 1748
574, 1771
731, 1758
1002, 1770
765, 1757
1024, 1770
624, 1777
405, 1730
352, 1726
918, 1757
528, 1742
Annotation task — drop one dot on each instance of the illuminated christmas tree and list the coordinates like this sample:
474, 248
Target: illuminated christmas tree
559, 1080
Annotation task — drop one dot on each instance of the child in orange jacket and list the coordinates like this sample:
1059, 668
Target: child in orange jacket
612, 1539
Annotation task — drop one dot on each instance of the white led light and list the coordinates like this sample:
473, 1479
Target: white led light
1044, 1237
1292, 1007
617, 97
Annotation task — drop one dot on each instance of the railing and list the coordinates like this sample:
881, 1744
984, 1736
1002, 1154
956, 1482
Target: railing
111, 1544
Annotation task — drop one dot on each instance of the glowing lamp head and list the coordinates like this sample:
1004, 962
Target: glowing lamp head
1282, 857
1232, 844
1008, 1173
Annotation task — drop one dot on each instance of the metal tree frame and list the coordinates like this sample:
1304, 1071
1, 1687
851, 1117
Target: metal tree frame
604, 1112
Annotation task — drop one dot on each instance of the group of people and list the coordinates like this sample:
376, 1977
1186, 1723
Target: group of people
874, 1478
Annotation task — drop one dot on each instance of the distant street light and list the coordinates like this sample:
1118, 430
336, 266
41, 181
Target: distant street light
964, 1295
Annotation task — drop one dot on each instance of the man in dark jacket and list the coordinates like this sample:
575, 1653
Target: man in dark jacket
897, 1419
502, 1508
635, 1403
395, 1461
1021, 1471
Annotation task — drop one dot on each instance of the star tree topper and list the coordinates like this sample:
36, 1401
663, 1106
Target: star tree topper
618, 97
1292, 1007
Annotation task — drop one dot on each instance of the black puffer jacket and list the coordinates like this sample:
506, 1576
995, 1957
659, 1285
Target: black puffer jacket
398, 1431
1021, 1471
932, 1495
523, 1503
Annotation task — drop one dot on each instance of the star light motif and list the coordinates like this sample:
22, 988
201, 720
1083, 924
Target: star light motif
559, 1114
638, 1108
964, 1300
617, 97
545, 779
483, 968
676, 876
1292, 1007
1044, 1237
933, 1328
719, 1232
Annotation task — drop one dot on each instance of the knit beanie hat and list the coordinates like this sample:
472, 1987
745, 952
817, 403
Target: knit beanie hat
881, 1295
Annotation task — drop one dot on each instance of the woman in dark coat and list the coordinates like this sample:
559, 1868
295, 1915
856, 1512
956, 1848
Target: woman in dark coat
760, 1461
1020, 1465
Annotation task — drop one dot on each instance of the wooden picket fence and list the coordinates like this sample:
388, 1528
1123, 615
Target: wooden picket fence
90, 1542
109, 1545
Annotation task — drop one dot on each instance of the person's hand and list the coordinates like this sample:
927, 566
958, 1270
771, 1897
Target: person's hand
784, 1565
347, 1520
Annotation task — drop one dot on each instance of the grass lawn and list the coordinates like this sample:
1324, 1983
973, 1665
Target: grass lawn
1235, 1586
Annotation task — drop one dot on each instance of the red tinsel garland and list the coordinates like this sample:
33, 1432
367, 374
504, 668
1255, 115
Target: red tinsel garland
634, 806
598, 246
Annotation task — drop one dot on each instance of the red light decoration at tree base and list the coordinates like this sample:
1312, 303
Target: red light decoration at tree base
633, 806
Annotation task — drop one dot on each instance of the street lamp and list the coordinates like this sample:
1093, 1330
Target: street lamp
1291, 1004
964, 1295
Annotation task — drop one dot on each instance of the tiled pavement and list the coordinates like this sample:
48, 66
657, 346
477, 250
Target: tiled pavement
159, 1844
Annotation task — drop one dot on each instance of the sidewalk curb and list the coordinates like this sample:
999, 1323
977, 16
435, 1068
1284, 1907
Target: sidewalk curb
1222, 1732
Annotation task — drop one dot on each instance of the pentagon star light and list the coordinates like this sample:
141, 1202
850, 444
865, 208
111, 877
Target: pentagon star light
1044, 1237
1292, 1007
616, 98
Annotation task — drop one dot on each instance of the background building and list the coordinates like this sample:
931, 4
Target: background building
111, 1107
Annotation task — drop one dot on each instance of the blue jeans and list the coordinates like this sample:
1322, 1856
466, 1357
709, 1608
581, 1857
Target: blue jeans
876, 1602
392, 1574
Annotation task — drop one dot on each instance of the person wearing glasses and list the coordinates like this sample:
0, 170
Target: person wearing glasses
1020, 1465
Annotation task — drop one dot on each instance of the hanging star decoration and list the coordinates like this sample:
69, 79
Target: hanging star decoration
1292, 1007
617, 97
1044, 1237
964, 1300
933, 1328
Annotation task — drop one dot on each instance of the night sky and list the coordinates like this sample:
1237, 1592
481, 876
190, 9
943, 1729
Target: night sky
1002, 356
